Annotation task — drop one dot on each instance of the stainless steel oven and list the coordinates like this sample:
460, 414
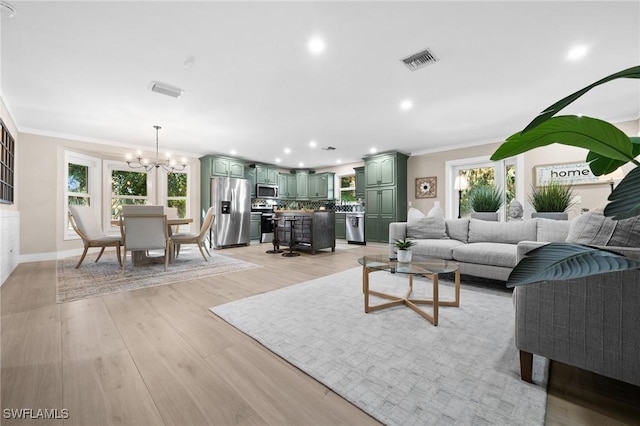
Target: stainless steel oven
266, 226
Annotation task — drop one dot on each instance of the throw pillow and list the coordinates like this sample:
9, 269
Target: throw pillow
425, 227
626, 233
436, 211
458, 229
414, 214
593, 229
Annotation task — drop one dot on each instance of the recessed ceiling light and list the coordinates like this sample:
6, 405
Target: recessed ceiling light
339, 161
316, 45
278, 160
312, 144
233, 152
301, 164
406, 105
7, 9
373, 150
287, 151
577, 52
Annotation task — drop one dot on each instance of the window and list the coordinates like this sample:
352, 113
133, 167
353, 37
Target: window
7, 165
82, 177
177, 192
478, 171
348, 189
127, 187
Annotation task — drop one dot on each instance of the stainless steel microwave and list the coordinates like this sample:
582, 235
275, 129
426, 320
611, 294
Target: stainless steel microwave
266, 191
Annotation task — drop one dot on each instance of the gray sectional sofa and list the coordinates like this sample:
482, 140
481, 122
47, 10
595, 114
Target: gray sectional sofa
481, 248
590, 323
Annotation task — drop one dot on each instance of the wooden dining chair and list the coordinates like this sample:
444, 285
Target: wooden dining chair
85, 223
143, 232
195, 237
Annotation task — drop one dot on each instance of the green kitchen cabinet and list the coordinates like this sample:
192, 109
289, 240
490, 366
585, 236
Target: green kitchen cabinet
223, 166
321, 186
287, 186
267, 175
385, 194
341, 226
302, 184
254, 227
250, 175
360, 182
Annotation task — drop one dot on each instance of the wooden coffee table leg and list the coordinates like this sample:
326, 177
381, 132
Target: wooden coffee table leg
436, 303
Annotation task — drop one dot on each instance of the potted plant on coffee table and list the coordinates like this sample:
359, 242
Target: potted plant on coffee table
485, 201
551, 201
404, 250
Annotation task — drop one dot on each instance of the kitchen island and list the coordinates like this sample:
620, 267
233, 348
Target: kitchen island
313, 229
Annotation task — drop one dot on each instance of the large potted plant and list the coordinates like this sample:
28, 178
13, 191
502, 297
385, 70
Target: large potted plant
609, 148
485, 201
551, 201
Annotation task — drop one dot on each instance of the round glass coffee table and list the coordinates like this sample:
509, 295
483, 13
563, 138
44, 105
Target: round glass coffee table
427, 267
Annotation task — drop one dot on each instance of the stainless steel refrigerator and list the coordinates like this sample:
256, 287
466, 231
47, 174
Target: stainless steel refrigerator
231, 200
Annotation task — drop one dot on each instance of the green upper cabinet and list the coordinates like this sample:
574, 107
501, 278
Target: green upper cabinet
381, 170
266, 174
225, 166
250, 175
302, 184
360, 182
321, 186
287, 186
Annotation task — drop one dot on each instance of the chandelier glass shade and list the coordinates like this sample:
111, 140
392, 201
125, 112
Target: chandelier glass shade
167, 164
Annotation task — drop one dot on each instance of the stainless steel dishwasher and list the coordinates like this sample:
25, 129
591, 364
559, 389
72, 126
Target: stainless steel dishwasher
355, 228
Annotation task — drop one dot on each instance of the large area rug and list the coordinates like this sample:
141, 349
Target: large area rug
392, 363
105, 277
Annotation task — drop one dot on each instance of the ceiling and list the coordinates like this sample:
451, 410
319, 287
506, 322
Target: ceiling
82, 70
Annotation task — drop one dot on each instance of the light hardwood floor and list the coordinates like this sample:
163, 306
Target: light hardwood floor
158, 356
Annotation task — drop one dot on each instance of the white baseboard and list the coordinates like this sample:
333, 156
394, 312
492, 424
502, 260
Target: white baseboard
41, 257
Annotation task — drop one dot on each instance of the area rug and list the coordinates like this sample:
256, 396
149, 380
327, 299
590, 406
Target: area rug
105, 277
393, 364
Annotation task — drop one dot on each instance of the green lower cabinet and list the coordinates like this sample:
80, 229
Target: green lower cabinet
381, 211
341, 226
254, 227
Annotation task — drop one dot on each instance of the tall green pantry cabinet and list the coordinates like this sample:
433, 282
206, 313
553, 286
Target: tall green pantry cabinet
385, 177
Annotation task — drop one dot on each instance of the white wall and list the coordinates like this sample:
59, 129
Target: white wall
10, 213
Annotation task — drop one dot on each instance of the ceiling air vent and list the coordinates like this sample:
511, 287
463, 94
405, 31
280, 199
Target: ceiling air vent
166, 89
419, 60
329, 148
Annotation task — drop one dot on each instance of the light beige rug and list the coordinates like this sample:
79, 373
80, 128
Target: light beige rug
393, 364
105, 277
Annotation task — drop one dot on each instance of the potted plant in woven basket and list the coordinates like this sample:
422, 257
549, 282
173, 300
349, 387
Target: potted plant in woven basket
551, 201
404, 250
485, 201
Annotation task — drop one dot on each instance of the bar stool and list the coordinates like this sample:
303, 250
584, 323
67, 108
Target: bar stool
291, 221
275, 241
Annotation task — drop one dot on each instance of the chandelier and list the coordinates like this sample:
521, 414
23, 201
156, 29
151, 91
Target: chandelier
167, 164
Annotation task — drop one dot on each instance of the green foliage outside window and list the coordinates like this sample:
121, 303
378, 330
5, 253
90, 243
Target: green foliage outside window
78, 180
177, 184
128, 183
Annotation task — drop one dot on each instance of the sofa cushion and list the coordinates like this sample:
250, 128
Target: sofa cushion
550, 230
458, 229
426, 228
591, 228
441, 249
495, 254
481, 231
